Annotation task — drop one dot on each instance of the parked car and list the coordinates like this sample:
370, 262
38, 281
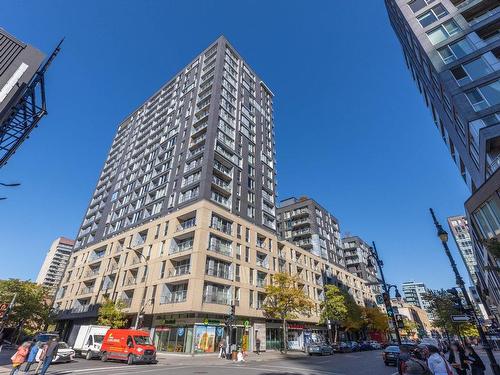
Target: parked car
390, 355
65, 353
320, 348
342, 347
364, 346
130, 345
375, 345
354, 346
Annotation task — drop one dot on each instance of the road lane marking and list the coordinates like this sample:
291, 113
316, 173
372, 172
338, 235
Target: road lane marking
268, 367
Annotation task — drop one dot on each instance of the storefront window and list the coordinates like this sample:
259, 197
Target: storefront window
206, 338
274, 338
170, 339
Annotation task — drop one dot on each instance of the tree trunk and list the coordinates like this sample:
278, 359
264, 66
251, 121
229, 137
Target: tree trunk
285, 346
335, 333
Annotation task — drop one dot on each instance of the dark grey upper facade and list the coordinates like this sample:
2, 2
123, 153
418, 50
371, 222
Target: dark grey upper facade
452, 48
357, 259
305, 223
208, 133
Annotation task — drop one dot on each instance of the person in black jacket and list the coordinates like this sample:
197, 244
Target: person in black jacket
474, 361
457, 359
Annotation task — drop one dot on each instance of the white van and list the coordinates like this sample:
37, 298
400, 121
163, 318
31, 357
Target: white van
89, 340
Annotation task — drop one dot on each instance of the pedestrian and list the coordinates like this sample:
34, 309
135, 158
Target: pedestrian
40, 356
222, 348
416, 364
257, 345
436, 362
19, 357
475, 362
457, 359
50, 354
32, 355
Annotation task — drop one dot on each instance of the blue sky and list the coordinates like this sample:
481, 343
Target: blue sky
352, 131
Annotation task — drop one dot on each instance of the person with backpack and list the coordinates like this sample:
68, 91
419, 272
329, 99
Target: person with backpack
474, 361
19, 357
416, 364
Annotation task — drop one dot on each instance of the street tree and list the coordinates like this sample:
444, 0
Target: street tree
286, 301
410, 328
375, 320
111, 314
442, 308
333, 308
32, 310
353, 321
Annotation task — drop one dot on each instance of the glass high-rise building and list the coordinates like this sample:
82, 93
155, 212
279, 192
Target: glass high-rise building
452, 49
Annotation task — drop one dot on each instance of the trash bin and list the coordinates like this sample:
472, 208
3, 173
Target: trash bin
234, 355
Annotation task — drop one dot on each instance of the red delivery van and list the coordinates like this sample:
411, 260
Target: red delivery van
128, 345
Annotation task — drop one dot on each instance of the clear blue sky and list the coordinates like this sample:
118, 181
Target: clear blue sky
352, 131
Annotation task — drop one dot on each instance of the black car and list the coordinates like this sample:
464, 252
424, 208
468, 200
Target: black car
391, 355
320, 349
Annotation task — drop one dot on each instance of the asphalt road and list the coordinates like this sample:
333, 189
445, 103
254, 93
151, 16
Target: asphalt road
361, 363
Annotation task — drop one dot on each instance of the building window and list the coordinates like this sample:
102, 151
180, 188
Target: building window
443, 32
432, 15
487, 218
417, 5
485, 96
471, 71
455, 51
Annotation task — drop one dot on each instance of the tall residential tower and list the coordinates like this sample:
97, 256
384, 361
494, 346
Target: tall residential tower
56, 260
181, 228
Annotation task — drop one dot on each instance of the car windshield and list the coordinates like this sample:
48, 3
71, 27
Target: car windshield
394, 349
142, 340
44, 337
63, 345
98, 339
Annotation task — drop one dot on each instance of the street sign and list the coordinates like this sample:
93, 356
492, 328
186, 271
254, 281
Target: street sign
460, 318
380, 299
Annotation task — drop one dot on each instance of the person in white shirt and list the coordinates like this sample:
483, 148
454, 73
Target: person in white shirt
437, 364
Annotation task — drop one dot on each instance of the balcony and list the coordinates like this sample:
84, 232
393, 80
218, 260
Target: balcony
130, 281
125, 302
87, 290
174, 297
222, 184
217, 298
180, 270
481, 11
91, 273
181, 246
222, 227
189, 223
221, 248
261, 283
221, 272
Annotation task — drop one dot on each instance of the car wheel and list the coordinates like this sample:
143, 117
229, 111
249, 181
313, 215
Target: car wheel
130, 359
104, 357
88, 356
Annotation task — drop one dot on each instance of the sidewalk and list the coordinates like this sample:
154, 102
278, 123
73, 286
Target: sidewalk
212, 358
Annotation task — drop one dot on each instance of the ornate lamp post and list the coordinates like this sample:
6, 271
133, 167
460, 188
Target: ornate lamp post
443, 236
374, 255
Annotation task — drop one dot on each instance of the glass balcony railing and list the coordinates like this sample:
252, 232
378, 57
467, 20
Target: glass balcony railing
217, 298
174, 297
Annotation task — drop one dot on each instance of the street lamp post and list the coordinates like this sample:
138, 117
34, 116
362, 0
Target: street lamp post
443, 236
380, 264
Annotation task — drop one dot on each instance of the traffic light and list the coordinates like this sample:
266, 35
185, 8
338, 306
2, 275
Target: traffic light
456, 299
233, 310
390, 312
230, 318
400, 321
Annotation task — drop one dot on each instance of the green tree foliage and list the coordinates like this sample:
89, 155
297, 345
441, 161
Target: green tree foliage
286, 301
32, 309
353, 321
375, 320
333, 308
442, 307
410, 327
111, 314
